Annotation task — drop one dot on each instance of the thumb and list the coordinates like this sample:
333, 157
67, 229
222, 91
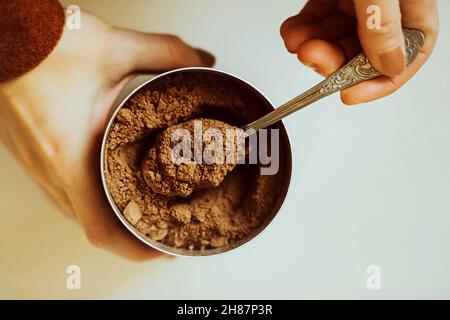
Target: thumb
158, 52
383, 44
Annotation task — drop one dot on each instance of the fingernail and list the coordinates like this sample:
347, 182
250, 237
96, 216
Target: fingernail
393, 62
311, 65
207, 58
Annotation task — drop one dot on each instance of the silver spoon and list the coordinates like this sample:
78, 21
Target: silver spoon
357, 70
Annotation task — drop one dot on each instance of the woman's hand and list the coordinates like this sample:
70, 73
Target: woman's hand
53, 118
327, 33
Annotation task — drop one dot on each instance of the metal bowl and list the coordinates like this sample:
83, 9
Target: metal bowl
263, 103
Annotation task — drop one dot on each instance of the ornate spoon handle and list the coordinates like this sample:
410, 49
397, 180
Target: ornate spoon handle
357, 70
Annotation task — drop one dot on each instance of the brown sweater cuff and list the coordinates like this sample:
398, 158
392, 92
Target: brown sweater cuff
29, 31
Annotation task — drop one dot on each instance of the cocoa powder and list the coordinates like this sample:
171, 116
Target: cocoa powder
206, 164
209, 218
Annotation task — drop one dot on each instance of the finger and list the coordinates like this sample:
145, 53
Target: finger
158, 52
326, 57
350, 46
420, 15
332, 28
322, 56
384, 46
313, 12
299, 34
347, 7
382, 86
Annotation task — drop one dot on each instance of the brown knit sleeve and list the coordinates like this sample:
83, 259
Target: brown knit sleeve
29, 30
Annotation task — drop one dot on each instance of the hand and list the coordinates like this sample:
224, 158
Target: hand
53, 118
328, 33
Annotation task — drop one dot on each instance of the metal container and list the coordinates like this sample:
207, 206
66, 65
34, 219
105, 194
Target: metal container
140, 82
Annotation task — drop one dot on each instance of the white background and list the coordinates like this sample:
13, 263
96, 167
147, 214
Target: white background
371, 184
